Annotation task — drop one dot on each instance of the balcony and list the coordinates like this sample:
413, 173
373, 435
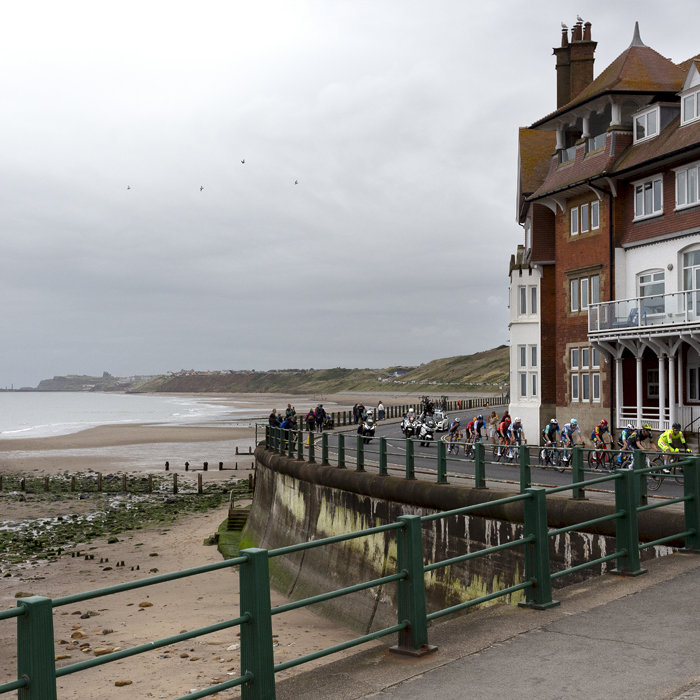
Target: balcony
630, 317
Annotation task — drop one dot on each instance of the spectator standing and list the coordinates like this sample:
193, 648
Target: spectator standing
310, 420
320, 417
354, 413
290, 412
273, 420
380, 410
360, 411
493, 426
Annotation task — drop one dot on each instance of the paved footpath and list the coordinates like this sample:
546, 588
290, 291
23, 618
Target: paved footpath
612, 637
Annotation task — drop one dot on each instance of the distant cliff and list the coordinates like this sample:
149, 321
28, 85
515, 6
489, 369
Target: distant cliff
484, 371
76, 382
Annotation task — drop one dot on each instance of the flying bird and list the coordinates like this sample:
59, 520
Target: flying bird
127, 187
296, 182
201, 187
243, 161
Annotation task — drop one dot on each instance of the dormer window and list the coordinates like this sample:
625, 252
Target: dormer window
646, 124
691, 107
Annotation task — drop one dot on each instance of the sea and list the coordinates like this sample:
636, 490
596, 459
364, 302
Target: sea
46, 414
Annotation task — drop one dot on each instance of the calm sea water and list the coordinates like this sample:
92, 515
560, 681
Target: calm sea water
30, 415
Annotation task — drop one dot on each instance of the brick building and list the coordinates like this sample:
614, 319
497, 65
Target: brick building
605, 289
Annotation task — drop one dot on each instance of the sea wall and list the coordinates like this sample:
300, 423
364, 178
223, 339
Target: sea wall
297, 502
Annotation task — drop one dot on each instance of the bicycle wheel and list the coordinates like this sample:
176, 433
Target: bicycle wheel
497, 452
543, 456
655, 480
593, 460
514, 455
678, 473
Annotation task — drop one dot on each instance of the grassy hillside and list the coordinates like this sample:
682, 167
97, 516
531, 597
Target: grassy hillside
483, 371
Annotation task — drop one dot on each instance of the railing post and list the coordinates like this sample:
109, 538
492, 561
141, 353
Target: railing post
640, 462
626, 533
524, 458
578, 493
290, 443
274, 439
35, 652
383, 470
479, 466
537, 570
267, 437
312, 448
411, 590
257, 656
691, 490
324, 449
360, 454
410, 462
441, 462
341, 451
300, 445
174, 483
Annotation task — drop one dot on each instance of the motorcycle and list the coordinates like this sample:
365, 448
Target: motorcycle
366, 428
408, 425
426, 431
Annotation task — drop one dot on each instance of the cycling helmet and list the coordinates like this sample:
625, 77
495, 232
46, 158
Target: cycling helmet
574, 421
646, 426
516, 420
480, 417
554, 421
603, 422
676, 426
631, 427
457, 420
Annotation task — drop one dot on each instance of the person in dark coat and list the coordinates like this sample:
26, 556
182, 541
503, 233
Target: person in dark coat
354, 413
320, 417
273, 420
310, 420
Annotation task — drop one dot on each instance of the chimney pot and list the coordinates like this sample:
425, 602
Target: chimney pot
577, 32
564, 37
587, 31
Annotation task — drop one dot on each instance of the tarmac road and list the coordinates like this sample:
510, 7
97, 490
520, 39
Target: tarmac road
425, 461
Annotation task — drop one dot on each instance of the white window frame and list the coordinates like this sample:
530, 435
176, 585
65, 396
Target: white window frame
585, 358
533, 383
574, 388
696, 94
595, 358
573, 221
523, 385
533, 300
575, 352
533, 356
595, 215
683, 174
522, 301
585, 387
595, 387
583, 293
642, 184
595, 286
644, 115
585, 219
522, 356
574, 292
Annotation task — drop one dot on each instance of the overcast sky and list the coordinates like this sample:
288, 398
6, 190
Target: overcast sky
398, 119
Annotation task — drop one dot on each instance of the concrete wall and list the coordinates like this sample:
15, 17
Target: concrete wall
299, 502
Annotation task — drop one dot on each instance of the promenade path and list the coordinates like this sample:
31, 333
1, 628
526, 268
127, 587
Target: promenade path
612, 637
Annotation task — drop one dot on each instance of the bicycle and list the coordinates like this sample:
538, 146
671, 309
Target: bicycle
549, 455
599, 458
654, 481
512, 454
499, 450
453, 446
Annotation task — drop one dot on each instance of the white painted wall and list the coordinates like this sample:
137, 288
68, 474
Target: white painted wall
656, 256
525, 330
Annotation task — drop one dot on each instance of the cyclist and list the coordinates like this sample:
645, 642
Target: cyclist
470, 429
622, 440
549, 433
503, 427
453, 433
478, 425
646, 438
598, 434
516, 433
672, 441
567, 434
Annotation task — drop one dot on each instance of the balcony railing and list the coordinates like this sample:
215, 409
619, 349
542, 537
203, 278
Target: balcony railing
675, 309
567, 154
596, 142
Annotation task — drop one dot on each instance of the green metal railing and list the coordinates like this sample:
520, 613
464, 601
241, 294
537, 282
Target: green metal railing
36, 668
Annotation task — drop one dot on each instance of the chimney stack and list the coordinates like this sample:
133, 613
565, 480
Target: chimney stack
574, 62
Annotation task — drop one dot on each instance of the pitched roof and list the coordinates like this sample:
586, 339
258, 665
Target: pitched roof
686, 64
636, 69
536, 150
672, 139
